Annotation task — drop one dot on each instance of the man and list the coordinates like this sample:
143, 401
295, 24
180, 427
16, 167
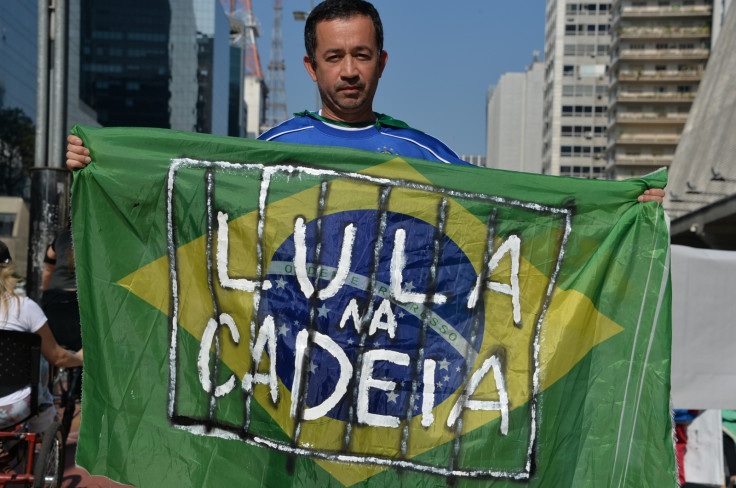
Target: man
345, 57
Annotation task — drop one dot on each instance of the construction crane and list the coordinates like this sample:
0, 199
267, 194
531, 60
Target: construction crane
276, 105
244, 30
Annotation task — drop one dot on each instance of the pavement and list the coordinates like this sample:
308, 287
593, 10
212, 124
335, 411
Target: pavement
75, 476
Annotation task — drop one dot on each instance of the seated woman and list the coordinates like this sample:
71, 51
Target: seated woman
23, 314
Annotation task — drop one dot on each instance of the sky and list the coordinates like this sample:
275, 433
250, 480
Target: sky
442, 58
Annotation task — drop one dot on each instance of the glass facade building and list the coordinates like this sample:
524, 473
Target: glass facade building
18, 55
155, 63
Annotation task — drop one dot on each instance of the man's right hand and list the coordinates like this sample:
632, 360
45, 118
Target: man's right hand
77, 156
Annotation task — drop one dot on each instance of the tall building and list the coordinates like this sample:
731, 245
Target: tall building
514, 121
18, 53
162, 63
701, 192
658, 53
576, 47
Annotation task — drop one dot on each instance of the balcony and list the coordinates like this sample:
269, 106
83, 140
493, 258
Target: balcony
647, 140
663, 54
661, 76
666, 11
656, 97
644, 160
660, 118
663, 32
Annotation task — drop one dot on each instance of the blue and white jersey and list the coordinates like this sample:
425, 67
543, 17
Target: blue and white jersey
396, 138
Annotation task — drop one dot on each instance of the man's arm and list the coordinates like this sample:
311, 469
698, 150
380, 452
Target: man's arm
77, 156
49, 266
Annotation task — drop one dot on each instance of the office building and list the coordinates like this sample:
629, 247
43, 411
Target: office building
155, 63
14, 227
576, 46
658, 54
514, 121
18, 53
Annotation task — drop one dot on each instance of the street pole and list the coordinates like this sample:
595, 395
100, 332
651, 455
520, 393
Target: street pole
49, 212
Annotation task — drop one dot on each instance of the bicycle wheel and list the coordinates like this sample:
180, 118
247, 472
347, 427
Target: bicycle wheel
49, 467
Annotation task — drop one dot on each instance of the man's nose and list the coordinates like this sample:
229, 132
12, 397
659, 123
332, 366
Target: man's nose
349, 67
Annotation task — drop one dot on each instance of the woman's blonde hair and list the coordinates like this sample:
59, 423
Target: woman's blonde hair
7, 288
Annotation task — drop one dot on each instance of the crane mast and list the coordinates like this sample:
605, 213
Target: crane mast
244, 29
276, 105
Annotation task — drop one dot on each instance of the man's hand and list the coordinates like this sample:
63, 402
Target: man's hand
77, 156
651, 195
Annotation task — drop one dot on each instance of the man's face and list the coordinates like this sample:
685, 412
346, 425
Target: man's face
348, 66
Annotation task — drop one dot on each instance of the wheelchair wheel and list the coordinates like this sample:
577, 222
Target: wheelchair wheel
49, 466
69, 399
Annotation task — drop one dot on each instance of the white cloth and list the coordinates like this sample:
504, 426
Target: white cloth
704, 455
24, 315
703, 328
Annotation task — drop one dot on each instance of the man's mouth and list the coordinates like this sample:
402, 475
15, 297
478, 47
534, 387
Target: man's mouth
350, 89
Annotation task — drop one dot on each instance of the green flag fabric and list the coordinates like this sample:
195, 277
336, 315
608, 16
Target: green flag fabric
266, 314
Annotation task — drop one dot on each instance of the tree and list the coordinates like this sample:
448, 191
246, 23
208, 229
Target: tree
17, 146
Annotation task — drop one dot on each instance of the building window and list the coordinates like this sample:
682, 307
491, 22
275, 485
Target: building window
7, 221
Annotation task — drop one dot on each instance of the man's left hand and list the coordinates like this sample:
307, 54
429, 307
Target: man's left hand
652, 195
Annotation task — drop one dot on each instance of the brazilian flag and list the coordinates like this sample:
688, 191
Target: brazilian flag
266, 314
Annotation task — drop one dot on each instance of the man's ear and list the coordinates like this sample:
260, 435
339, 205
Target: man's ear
311, 68
382, 59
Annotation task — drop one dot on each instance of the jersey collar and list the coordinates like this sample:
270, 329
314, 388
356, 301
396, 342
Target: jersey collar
382, 120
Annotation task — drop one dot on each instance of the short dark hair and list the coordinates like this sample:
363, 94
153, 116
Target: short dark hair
339, 9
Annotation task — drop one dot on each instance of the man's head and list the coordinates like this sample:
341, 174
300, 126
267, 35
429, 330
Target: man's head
339, 9
345, 56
